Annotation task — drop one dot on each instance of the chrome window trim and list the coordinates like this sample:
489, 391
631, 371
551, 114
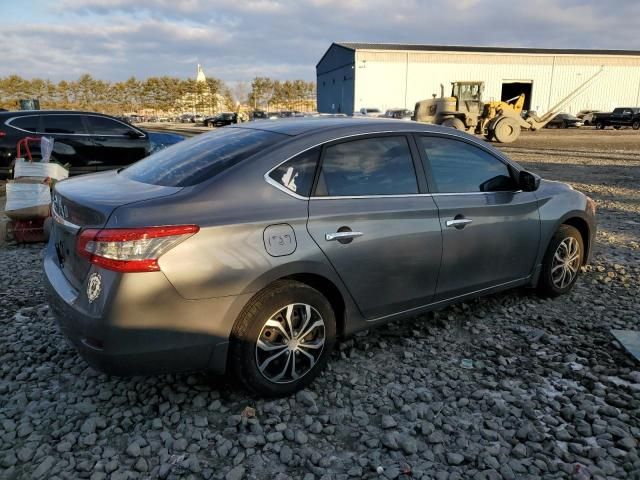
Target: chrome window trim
114, 120
9, 120
355, 197
37, 132
293, 194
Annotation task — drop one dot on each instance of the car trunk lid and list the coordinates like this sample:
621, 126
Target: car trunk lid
88, 202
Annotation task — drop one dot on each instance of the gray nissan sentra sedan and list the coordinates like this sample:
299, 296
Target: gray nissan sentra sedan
250, 249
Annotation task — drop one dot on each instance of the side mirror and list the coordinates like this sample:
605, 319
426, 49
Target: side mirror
133, 134
529, 182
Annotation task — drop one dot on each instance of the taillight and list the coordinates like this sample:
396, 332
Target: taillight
3, 134
131, 249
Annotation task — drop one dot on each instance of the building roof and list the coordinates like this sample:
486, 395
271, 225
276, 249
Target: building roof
462, 48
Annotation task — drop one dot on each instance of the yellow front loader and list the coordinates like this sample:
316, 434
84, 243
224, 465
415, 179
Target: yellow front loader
499, 121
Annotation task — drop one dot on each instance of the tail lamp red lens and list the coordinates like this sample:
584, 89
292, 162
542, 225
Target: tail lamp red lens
131, 249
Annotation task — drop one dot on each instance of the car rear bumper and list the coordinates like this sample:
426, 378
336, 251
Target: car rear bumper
145, 327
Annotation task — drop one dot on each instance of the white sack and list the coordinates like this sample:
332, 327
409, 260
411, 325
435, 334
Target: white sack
27, 200
39, 169
46, 147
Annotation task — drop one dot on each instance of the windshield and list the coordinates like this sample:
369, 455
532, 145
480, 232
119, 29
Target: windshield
200, 158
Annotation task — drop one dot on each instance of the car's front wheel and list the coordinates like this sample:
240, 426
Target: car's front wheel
562, 262
282, 339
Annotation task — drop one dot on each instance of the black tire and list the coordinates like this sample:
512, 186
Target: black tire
251, 326
506, 130
454, 123
549, 284
636, 125
599, 126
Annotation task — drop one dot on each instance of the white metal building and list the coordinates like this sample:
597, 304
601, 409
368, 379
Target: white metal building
351, 76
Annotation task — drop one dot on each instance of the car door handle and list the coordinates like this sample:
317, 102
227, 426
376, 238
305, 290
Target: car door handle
100, 139
331, 237
458, 222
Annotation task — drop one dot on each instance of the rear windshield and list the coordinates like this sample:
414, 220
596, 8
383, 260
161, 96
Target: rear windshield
200, 158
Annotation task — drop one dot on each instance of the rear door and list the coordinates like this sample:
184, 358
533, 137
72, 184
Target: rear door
116, 144
617, 116
372, 218
72, 142
490, 229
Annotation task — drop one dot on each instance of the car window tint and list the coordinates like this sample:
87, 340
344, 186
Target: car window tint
371, 166
29, 123
202, 157
458, 167
297, 173
68, 124
106, 126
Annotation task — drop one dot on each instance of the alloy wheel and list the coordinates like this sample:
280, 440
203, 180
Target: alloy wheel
566, 262
290, 343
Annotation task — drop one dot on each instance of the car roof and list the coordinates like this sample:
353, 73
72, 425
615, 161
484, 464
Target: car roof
18, 113
299, 126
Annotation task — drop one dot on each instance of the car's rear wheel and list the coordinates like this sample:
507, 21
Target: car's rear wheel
562, 261
282, 339
636, 125
599, 125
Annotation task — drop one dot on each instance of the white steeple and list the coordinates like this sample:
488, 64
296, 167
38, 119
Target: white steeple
200, 76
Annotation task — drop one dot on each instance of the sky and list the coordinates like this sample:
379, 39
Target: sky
236, 40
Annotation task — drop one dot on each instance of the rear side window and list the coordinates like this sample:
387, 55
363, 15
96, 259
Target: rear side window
371, 166
296, 174
200, 158
63, 124
106, 126
457, 167
29, 123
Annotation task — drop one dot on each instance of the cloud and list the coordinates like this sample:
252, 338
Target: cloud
237, 40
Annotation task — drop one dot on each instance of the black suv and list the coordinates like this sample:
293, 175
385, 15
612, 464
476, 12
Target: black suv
620, 117
221, 120
88, 142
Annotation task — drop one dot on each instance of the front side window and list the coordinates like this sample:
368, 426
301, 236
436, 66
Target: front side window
63, 124
458, 167
371, 166
296, 174
195, 160
29, 123
106, 126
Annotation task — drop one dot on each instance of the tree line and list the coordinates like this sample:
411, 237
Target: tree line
156, 94
291, 94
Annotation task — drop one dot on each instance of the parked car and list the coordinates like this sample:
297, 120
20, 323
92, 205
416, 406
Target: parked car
620, 117
221, 120
249, 249
564, 120
368, 112
87, 141
588, 118
399, 113
258, 115
583, 113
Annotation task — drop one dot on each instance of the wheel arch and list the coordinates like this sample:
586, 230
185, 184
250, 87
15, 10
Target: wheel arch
330, 291
583, 227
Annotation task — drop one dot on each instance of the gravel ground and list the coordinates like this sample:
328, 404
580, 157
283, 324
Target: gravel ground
509, 386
